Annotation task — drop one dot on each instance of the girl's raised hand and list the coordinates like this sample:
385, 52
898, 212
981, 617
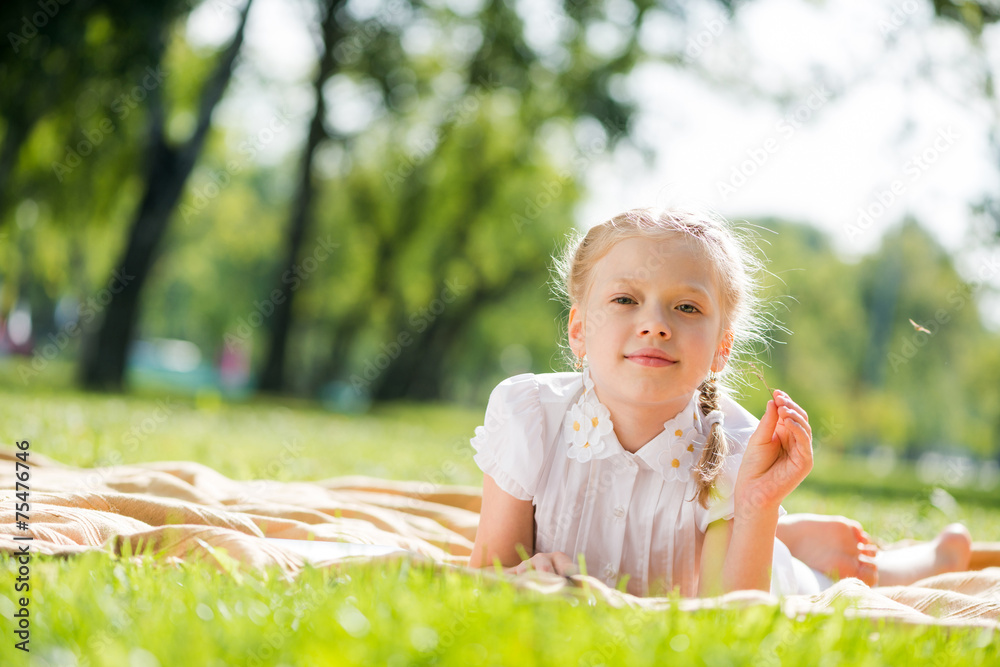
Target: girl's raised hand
557, 562
777, 458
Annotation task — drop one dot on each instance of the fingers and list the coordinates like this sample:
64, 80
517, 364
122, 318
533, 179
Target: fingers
765, 429
788, 417
523, 566
563, 563
792, 416
556, 562
796, 427
792, 419
784, 400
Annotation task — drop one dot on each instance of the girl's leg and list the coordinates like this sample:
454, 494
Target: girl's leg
984, 555
833, 545
950, 551
839, 547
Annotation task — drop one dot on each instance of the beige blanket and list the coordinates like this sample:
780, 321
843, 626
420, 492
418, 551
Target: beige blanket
184, 510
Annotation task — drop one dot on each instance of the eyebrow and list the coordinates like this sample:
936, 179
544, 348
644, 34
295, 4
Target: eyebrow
633, 283
627, 282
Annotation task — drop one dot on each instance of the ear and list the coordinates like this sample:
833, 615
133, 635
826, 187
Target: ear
722, 353
576, 333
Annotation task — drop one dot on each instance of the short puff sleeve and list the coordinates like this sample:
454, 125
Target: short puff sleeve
510, 443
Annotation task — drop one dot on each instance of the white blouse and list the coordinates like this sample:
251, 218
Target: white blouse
547, 439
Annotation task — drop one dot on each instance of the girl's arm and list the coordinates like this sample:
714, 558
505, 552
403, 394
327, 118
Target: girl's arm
505, 523
713, 558
737, 554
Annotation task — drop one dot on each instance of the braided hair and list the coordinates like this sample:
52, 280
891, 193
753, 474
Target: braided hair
713, 455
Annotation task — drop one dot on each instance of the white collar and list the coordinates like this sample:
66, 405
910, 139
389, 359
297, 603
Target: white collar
589, 434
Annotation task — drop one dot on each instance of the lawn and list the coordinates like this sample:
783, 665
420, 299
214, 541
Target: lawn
95, 611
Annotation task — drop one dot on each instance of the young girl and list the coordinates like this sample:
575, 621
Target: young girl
640, 467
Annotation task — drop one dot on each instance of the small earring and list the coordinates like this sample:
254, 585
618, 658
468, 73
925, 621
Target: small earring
578, 364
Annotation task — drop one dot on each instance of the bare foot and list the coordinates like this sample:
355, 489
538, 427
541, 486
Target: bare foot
948, 552
834, 545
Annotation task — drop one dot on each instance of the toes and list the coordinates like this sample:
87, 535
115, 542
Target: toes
846, 566
868, 571
954, 547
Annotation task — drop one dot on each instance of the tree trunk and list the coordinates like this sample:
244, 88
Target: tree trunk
342, 342
417, 372
272, 376
15, 136
105, 355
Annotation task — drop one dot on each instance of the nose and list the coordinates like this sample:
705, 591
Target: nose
654, 323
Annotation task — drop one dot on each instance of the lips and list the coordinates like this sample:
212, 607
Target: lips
649, 356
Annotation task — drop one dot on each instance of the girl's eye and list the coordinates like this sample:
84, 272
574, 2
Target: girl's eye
624, 300
687, 308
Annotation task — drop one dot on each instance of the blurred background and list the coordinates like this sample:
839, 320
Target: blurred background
351, 202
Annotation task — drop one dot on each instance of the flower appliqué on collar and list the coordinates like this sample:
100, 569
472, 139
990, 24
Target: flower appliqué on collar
587, 424
686, 434
677, 459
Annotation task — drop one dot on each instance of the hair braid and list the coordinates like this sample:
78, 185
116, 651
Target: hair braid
714, 454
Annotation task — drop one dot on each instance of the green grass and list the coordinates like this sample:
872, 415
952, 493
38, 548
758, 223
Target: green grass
93, 610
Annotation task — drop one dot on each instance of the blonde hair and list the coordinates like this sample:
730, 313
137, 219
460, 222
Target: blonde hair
737, 271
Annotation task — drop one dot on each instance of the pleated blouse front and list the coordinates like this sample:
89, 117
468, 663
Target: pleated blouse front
630, 515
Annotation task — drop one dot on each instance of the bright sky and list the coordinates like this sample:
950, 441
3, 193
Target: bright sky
834, 149
882, 116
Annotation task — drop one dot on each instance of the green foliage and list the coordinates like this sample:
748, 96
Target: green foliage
478, 212
865, 374
463, 177
973, 15
85, 81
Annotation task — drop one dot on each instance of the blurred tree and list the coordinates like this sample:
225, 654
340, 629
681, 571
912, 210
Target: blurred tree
167, 168
60, 61
55, 50
975, 16
868, 376
436, 259
925, 369
571, 76
331, 33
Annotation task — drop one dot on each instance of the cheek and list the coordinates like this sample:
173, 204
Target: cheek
596, 322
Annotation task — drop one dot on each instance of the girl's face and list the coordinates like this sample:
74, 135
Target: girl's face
652, 324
